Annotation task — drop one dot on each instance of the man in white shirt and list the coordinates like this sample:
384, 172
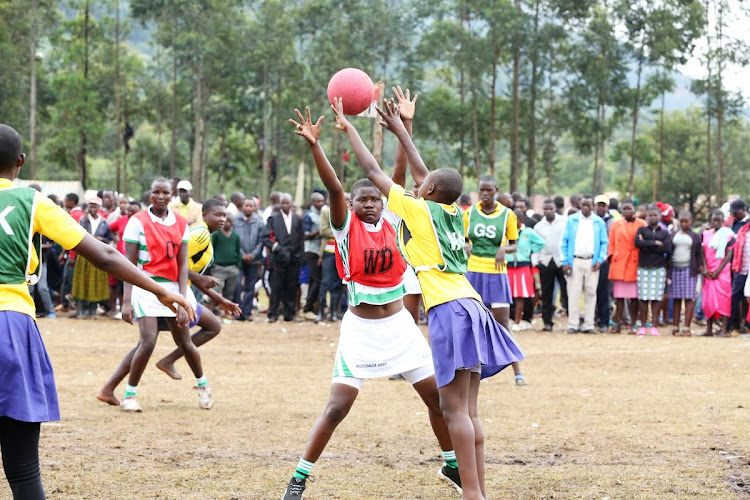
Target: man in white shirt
583, 249
551, 228
273, 199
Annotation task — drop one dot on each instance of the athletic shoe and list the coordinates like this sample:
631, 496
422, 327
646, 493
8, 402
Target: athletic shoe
572, 330
520, 381
547, 328
130, 404
588, 331
51, 316
642, 330
450, 475
653, 331
524, 325
295, 489
311, 316
204, 397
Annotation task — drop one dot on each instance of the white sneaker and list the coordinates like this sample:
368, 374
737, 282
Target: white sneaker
204, 397
130, 404
524, 325
515, 327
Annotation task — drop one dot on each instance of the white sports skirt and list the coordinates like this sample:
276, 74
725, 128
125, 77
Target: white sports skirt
370, 348
146, 305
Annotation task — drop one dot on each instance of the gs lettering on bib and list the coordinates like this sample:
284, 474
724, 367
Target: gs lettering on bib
370, 258
486, 232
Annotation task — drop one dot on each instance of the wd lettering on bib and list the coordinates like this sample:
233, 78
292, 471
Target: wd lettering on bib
377, 261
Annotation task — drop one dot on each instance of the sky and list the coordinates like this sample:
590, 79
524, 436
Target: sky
736, 78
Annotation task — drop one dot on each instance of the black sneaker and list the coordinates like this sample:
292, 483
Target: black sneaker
450, 475
295, 489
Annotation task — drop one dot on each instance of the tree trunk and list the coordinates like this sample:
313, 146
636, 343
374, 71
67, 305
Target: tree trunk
461, 154
475, 135
531, 153
597, 141
32, 92
204, 160
82, 131
264, 141
118, 145
720, 107
709, 166
634, 128
601, 182
173, 145
515, 130
493, 100
660, 185
196, 171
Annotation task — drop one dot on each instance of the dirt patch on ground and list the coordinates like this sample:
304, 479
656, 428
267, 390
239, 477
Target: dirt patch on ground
602, 416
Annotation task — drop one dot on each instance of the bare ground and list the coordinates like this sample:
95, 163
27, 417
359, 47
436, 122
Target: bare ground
603, 416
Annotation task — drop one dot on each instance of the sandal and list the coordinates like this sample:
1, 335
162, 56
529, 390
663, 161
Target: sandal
685, 332
676, 332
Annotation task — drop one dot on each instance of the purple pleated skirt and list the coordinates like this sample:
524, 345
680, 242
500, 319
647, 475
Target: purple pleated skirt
493, 288
463, 334
27, 384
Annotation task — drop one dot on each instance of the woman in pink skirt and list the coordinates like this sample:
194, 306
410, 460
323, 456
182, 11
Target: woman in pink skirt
623, 263
519, 266
717, 282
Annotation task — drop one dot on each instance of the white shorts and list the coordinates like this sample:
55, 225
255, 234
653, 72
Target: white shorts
371, 348
413, 376
411, 282
146, 305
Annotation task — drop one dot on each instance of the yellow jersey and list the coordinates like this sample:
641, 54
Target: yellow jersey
51, 221
422, 250
200, 249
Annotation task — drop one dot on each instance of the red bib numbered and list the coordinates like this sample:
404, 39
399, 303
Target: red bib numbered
163, 244
373, 257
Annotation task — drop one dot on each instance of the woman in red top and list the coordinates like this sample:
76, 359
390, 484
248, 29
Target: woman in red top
157, 239
378, 336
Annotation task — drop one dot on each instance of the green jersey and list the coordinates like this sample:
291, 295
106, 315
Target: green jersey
17, 239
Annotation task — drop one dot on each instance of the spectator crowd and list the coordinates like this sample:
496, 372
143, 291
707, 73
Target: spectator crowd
607, 265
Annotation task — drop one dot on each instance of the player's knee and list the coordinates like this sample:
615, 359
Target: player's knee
147, 344
335, 412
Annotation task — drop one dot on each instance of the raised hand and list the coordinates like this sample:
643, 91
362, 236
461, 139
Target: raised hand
406, 105
305, 126
391, 116
338, 111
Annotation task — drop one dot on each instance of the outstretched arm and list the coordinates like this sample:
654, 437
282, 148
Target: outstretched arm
311, 132
365, 159
406, 107
392, 121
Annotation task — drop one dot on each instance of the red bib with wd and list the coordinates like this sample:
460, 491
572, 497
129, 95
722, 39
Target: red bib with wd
163, 244
373, 258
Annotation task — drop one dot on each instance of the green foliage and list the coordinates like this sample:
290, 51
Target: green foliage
208, 86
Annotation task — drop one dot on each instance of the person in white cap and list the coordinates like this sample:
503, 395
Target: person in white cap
185, 205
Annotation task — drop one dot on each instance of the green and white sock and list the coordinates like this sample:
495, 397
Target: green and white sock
201, 381
450, 459
130, 390
303, 469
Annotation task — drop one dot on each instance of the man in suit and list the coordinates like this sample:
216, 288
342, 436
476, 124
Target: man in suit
284, 239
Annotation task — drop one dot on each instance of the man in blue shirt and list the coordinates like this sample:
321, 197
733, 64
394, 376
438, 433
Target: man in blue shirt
583, 250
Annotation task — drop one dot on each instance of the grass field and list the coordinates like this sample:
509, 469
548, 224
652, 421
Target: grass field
603, 416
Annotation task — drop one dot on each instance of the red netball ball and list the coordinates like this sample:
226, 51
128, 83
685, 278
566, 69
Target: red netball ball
354, 87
